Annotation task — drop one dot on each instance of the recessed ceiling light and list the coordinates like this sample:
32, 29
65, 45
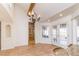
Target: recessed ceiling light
60, 14
48, 20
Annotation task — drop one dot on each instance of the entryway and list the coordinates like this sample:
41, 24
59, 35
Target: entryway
31, 34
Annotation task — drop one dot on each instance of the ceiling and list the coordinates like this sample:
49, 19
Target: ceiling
24, 6
47, 10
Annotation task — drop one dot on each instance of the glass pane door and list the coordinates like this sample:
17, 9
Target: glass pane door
63, 34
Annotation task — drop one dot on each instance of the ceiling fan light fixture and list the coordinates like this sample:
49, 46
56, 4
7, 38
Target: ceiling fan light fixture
31, 13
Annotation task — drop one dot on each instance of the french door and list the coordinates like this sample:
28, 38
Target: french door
60, 34
63, 34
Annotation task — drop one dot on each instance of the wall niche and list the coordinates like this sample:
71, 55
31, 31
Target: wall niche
8, 31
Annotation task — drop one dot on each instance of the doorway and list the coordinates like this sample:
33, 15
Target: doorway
0, 35
31, 34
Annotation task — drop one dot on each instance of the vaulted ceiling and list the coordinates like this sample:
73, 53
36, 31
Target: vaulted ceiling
47, 10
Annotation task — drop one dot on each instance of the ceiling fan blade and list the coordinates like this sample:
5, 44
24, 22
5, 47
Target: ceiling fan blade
31, 8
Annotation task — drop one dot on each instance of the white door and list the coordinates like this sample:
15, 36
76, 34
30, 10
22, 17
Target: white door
63, 34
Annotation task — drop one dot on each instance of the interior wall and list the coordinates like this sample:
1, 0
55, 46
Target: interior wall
38, 30
0, 35
21, 27
74, 31
66, 20
5, 19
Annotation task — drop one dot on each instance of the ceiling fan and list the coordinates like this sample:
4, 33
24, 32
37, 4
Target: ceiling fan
32, 14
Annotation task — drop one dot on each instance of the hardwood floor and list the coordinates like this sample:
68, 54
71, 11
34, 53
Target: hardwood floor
38, 50
32, 50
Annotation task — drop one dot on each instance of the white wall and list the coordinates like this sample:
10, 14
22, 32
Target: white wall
19, 28
66, 20
5, 19
74, 15
38, 30
74, 31
19, 25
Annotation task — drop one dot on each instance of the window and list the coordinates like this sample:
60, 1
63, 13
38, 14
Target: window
45, 31
54, 33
